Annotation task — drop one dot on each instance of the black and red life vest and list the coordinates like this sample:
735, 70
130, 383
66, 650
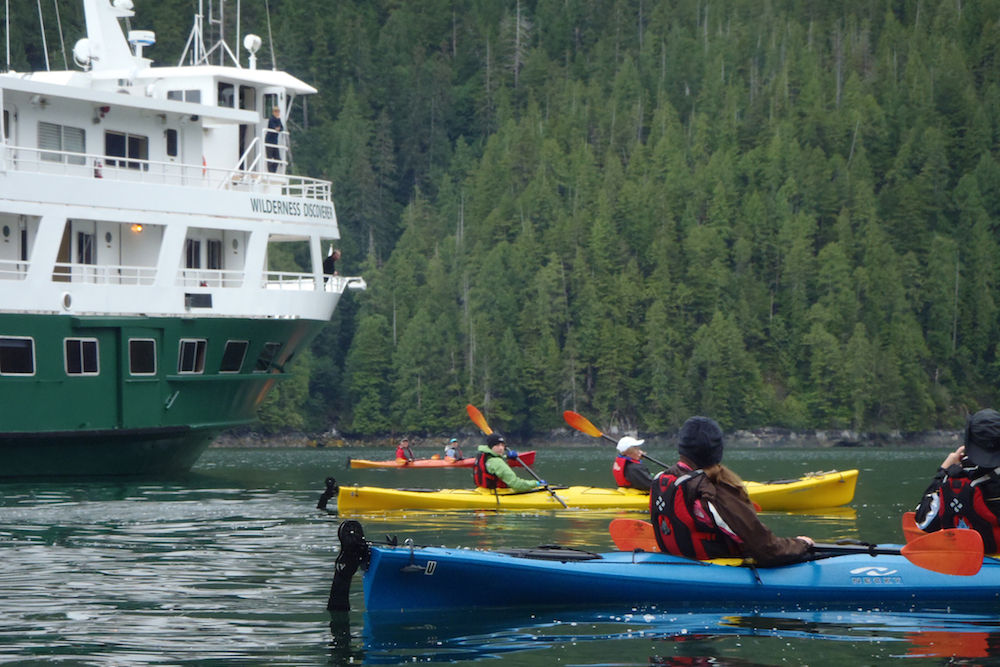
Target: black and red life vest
683, 524
483, 477
618, 469
963, 506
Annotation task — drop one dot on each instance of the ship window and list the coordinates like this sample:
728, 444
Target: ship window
213, 254
85, 248
54, 140
185, 95
227, 94
81, 356
17, 356
124, 145
232, 358
171, 137
266, 357
193, 259
192, 356
142, 356
6, 124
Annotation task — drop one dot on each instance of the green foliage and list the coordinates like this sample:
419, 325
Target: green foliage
772, 214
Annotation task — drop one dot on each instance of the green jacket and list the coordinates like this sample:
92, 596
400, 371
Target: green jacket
497, 465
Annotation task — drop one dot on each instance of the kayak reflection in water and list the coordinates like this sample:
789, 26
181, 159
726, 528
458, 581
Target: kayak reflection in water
628, 468
700, 508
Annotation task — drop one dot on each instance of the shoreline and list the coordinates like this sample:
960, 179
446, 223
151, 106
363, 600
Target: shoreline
740, 439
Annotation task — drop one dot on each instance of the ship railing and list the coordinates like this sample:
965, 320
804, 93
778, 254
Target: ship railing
13, 270
209, 278
103, 274
289, 281
130, 169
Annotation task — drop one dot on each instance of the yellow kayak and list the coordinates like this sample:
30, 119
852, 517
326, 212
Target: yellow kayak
812, 491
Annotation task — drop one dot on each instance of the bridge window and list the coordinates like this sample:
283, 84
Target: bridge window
54, 140
125, 145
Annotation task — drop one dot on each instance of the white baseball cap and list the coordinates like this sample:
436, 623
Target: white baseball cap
627, 443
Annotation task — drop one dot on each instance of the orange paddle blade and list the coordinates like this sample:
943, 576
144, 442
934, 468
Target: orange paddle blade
632, 534
581, 423
478, 419
910, 529
953, 551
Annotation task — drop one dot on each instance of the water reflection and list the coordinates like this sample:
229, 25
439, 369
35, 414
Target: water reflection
677, 637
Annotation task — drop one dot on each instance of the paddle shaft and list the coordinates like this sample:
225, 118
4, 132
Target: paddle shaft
532, 472
838, 549
582, 424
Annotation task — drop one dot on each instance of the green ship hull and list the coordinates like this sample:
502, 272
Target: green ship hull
64, 419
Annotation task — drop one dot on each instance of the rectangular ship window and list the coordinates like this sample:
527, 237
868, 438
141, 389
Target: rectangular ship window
124, 145
81, 356
232, 358
191, 358
266, 357
192, 253
17, 356
142, 356
213, 254
55, 139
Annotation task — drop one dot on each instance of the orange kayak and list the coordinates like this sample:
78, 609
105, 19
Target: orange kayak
527, 457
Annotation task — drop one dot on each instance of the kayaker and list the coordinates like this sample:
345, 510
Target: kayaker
452, 451
492, 471
965, 492
700, 508
628, 468
403, 452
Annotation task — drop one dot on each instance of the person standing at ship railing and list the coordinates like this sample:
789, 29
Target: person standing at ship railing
271, 138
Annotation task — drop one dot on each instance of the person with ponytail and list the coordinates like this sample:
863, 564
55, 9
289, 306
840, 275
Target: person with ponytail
700, 508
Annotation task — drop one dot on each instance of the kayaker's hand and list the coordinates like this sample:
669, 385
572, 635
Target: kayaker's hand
541, 482
511, 454
954, 458
807, 540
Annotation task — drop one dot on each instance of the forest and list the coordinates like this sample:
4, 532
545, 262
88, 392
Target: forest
770, 212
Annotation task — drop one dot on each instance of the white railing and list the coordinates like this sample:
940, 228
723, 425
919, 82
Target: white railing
103, 274
88, 165
209, 278
13, 270
289, 281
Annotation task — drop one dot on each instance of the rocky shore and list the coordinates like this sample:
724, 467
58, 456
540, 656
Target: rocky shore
743, 438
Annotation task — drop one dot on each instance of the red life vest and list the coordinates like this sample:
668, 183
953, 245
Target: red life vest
683, 525
963, 506
483, 477
618, 469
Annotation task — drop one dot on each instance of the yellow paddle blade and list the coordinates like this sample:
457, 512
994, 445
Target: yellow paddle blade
632, 534
478, 419
956, 551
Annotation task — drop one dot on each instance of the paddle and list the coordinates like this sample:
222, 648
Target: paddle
911, 530
479, 420
582, 424
954, 551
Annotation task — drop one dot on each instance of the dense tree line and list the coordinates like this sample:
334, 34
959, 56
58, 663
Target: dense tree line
772, 213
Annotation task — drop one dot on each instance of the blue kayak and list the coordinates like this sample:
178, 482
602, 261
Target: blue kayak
408, 578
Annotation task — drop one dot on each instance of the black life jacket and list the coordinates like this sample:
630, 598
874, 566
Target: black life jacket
618, 470
963, 506
682, 524
483, 477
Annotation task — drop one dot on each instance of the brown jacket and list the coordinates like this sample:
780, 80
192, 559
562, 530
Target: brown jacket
740, 525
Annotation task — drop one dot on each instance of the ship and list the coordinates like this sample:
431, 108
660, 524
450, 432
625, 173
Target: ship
141, 210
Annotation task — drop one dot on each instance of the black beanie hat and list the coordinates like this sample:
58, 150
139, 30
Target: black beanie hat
982, 438
700, 441
494, 439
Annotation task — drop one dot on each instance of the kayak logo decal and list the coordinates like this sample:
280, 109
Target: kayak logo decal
870, 574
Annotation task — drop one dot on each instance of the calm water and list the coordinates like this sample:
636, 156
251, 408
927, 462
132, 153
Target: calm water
232, 564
